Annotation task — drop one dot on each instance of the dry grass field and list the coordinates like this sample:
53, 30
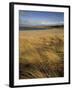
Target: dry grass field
41, 53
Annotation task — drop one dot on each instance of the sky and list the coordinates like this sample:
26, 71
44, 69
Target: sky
38, 18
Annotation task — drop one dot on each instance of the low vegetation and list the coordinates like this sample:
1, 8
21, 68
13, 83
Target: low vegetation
41, 54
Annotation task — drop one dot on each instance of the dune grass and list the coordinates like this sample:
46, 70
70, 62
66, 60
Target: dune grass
41, 54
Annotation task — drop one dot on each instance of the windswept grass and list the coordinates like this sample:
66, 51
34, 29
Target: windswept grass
41, 54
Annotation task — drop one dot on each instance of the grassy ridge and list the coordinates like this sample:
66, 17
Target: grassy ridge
41, 54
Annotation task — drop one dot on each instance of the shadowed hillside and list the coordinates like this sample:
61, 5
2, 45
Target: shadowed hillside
40, 27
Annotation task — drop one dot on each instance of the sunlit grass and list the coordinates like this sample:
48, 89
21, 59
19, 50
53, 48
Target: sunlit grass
41, 54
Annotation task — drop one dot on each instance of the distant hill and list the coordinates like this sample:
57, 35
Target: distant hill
40, 27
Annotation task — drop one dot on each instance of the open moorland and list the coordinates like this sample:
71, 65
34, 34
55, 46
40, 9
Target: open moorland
41, 53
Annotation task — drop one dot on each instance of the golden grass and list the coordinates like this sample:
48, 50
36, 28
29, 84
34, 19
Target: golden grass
41, 54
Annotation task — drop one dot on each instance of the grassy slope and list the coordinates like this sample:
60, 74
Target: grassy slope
41, 54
